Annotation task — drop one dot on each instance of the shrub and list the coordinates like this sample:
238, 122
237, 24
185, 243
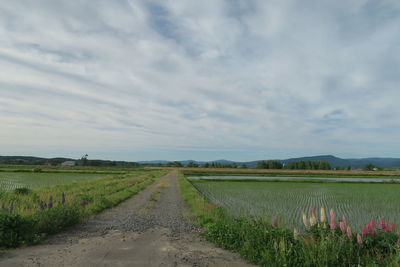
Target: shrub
22, 191
15, 230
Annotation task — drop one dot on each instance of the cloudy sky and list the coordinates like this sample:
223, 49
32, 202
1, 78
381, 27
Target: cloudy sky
204, 80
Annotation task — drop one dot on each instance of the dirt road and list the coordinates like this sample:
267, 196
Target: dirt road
149, 229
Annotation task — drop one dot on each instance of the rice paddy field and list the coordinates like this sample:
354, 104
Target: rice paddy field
12, 180
359, 202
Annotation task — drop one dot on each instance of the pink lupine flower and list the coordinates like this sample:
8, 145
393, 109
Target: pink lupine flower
383, 224
369, 228
313, 212
275, 222
359, 239
344, 220
392, 227
332, 222
343, 227
349, 232
398, 243
364, 231
373, 223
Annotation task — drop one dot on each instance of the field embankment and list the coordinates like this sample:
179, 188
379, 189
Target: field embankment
27, 215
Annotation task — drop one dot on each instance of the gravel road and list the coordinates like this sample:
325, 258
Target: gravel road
149, 229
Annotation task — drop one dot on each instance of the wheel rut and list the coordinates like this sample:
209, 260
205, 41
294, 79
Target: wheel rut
149, 229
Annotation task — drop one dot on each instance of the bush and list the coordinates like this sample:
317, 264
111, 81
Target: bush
22, 191
53, 220
15, 230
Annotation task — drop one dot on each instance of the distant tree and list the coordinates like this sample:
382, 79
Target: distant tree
243, 166
206, 165
369, 167
192, 164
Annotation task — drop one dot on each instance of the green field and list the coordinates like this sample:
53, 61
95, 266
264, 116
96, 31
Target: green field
12, 180
359, 202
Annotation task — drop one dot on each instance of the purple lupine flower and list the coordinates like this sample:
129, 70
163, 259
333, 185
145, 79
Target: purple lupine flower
63, 198
50, 205
11, 209
275, 222
3, 207
83, 203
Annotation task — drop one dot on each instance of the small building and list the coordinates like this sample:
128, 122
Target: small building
68, 163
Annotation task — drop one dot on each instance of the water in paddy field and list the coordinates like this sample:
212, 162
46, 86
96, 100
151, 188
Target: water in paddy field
359, 202
343, 179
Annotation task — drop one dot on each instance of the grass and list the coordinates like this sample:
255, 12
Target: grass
260, 242
41, 211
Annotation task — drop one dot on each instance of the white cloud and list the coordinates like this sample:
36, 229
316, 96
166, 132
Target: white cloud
285, 76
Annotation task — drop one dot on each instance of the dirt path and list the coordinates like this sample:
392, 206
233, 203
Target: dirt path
147, 230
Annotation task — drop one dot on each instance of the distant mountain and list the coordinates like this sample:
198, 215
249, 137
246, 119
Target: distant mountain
333, 161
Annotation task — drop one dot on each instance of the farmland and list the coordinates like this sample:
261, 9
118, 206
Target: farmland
359, 202
12, 180
264, 221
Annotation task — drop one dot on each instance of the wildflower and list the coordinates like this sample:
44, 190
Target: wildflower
322, 215
295, 233
11, 209
63, 198
392, 227
398, 243
42, 205
359, 239
305, 221
332, 222
275, 222
343, 226
3, 207
383, 224
349, 233
83, 203
364, 231
313, 212
313, 220
373, 223
368, 228
50, 205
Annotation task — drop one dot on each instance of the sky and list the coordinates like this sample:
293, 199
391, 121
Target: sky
204, 80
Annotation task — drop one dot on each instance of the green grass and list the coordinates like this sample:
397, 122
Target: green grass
257, 241
29, 223
359, 202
